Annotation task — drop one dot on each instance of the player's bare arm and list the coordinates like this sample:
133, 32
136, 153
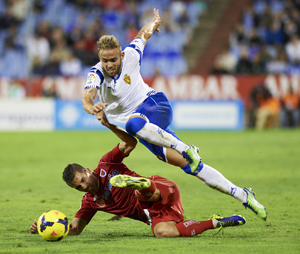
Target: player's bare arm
89, 97
77, 226
128, 142
147, 30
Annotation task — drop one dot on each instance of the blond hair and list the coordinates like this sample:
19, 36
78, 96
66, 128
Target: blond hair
108, 42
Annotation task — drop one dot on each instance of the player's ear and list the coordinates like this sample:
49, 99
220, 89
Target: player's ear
122, 55
88, 171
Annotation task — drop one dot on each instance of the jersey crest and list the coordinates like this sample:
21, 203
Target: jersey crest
127, 79
102, 172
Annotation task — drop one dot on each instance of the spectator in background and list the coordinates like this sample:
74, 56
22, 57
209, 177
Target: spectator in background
84, 51
265, 54
289, 30
58, 54
8, 18
16, 90
258, 65
132, 14
49, 90
131, 32
90, 41
13, 41
57, 36
38, 51
244, 65
266, 18
38, 6
279, 64
20, 9
295, 15
44, 29
238, 36
293, 50
70, 65
290, 109
225, 62
274, 35
268, 109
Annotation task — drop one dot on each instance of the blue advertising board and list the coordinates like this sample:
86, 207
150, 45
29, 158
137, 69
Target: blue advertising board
187, 115
69, 115
208, 115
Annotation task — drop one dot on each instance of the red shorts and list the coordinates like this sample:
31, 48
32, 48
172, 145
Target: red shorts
169, 208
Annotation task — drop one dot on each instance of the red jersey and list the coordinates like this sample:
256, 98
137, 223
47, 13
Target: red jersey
119, 201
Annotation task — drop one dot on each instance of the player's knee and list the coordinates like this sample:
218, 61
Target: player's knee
161, 233
163, 229
134, 125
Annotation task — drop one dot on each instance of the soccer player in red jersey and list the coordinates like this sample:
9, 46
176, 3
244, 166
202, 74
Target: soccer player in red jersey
112, 187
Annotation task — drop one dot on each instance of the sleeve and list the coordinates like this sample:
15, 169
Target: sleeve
136, 46
86, 211
94, 79
115, 156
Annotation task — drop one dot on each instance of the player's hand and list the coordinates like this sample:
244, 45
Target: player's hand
101, 116
33, 229
98, 107
156, 20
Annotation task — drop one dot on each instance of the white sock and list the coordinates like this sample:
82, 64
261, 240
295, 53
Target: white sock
155, 135
216, 180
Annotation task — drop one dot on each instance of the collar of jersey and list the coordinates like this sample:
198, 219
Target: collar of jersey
115, 79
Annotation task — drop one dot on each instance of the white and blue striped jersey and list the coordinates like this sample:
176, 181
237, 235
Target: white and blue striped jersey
126, 92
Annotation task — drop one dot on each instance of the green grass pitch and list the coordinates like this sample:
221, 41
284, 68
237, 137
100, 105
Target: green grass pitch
268, 161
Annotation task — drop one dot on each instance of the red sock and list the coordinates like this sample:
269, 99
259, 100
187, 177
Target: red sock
146, 194
191, 227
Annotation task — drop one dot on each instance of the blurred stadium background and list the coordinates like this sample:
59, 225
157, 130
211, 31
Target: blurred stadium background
224, 64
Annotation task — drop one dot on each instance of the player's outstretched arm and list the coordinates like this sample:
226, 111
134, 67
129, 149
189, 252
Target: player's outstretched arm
76, 226
128, 142
147, 30
88, 101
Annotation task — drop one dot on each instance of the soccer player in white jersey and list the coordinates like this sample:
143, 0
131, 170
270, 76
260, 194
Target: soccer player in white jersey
126, 98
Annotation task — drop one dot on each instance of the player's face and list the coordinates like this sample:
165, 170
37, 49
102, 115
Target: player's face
111, 60
85, 181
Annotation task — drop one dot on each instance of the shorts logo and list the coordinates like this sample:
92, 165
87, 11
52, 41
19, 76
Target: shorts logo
160, 132
233, 191
102, 173
127, 79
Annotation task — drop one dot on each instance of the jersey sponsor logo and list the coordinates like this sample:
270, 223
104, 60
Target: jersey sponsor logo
102, 173
113, 173
127, 79
107, 188
91, 78
100, 202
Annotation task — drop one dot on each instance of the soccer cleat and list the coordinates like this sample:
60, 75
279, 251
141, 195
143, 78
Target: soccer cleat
253, 204
122, 181
192, 157
223, 222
